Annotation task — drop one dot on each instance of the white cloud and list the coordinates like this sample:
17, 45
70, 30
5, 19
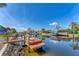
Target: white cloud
54, 23
19, 29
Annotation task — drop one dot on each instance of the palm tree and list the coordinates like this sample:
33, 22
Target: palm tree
56, 26
3, 4
74, 26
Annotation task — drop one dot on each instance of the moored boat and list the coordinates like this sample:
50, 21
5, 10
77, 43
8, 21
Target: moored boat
34, 43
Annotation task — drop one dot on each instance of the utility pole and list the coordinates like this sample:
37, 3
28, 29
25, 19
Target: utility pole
73, 31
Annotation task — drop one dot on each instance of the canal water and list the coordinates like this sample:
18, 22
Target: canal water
57, 48
60, 48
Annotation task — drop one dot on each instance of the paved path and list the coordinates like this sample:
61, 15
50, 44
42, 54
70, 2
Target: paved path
2, 46
3, 49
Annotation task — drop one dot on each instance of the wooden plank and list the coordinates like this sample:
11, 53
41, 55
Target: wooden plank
36, 46
12, 41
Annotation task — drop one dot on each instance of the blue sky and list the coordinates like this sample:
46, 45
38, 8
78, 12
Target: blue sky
22, 16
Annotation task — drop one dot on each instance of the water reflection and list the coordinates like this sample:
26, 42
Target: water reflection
61, 48
40, 51
57, 47
75, 45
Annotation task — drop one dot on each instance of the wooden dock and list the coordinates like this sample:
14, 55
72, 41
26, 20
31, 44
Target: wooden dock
12, 41
32, 43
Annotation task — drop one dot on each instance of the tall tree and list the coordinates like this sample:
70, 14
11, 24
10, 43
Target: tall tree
3, 4
43, 30
74, 27
13, 30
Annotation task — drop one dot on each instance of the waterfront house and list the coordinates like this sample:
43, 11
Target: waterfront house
63, 31
2, 30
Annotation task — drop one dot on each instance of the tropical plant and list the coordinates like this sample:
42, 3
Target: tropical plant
3, 4
13, 30
74, 27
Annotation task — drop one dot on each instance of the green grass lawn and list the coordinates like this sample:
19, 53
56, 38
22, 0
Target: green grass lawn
3, 36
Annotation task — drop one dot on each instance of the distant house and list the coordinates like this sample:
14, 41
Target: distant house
63, 31
2, 30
